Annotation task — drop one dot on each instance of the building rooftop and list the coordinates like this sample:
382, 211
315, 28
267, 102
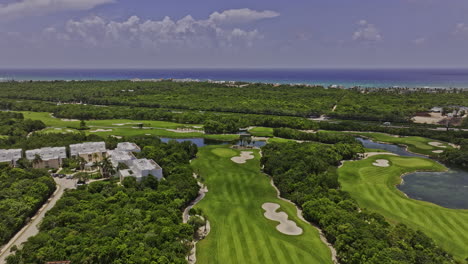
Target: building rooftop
7, 155
145, 164
87, 148
121, 155
128, 146
127, 173
47, 153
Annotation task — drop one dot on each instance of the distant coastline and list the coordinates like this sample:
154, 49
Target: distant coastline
373, 78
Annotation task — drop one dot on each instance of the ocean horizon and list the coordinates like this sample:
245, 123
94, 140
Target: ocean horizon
383, 78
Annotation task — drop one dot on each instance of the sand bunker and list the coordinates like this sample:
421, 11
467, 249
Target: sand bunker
381, 163
438, 151
124, 124
101, 130
436, 144
244, 157
371, 154
286, 226
70, 120
185, 130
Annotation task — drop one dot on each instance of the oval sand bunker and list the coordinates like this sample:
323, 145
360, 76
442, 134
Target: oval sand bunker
286, 226
437, 144
244, 157
381, 163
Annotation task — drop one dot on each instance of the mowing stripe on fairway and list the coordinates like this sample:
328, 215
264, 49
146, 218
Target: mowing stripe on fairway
239, 231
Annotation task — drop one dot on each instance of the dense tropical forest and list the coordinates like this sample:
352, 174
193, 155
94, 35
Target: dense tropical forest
216, 122
306, 174
14, 124
304, 101
22, 193
130, 223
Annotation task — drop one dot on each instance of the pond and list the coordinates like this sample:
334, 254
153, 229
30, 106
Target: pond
399, 150
201, 142
448, 189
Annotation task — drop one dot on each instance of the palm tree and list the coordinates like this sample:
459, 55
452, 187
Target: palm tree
81, 176
95, 156
37, 159
82, 162
107, 169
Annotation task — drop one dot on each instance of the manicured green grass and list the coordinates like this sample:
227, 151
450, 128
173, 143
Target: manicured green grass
49, 120
261, 131
415, 144
374, 188
125, 127
280, 140
239, 231
128, 131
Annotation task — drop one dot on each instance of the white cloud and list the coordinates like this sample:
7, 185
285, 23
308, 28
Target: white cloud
419, 41
42, 7
156, 34
244, 15
461, 29
367, 32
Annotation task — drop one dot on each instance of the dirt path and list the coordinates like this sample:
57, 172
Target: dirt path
202, 231
31, 228
201, 195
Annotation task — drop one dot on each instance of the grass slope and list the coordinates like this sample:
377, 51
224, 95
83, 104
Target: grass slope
374, 188
261, 131
240, 233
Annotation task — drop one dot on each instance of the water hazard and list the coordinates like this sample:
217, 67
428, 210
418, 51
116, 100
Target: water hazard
448, 189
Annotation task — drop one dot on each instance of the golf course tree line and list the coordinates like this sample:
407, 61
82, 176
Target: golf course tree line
456, 157
22, 193
306, 174
14, 124
216, 122
136, 222
304, 101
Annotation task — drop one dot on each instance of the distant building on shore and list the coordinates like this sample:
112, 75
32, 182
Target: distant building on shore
45, 158
89, 151
10, 156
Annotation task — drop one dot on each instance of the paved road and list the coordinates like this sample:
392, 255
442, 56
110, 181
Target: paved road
31, 228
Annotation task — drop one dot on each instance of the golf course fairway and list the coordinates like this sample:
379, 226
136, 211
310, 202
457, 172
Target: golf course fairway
374, 188
240, 233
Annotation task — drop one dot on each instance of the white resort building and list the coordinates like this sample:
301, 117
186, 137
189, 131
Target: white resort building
49, 157
117, 156
140, 168
10, 155
128, 146
89, 151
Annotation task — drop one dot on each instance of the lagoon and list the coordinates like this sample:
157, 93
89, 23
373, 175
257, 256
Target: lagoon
448, 189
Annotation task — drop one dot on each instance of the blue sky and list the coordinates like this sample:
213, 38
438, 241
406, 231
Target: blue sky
233, 34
